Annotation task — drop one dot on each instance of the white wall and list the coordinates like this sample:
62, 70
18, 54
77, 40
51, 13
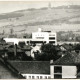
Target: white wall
46, 36
16, 40
69, 72
52, 71
35, 35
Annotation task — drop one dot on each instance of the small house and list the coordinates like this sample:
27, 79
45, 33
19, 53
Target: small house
67, 66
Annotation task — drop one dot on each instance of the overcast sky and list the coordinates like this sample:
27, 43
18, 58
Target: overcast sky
9, 6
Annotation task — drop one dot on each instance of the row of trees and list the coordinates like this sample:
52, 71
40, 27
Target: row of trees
68, 36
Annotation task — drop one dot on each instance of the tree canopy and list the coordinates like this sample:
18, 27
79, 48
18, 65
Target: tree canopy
48, 52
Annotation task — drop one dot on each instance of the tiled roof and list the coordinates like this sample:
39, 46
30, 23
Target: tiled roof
69, 59
67, 47
32, 67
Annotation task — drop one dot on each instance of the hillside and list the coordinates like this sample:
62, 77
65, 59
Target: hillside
55, 19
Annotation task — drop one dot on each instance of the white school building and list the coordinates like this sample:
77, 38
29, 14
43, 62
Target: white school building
37, 37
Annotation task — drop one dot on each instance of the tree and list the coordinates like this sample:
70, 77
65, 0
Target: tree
49, 52
77, 48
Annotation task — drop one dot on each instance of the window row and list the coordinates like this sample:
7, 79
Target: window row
38, 77
40, 37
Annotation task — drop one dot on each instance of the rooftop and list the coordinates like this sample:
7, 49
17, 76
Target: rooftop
32, 67
72, 58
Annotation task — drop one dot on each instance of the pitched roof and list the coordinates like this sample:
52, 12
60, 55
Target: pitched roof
67, 47
32, 67
69, 59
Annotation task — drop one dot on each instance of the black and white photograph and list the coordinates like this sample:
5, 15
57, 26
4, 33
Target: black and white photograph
40, 39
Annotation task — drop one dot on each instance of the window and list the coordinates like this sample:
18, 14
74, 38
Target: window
45, 77
57, 72
27, 41
40, 37
49, 77
57, 69
40, 77
29, 77
57, 76
36, 41
51, 38
32, 77
51, 41
37, 77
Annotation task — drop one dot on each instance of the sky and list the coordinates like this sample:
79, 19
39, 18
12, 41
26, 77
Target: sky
10, 6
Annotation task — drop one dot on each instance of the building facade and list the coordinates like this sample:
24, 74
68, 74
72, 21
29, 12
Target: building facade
63, 71
44, 37
37, 38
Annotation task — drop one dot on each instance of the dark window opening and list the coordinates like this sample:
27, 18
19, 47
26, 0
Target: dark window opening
29, 77
40, 37
44, 42
40, 77
32, 77
51, 41
27, 41
57, 69
36, 41
45, 77
51, 38
57, 76
37, 77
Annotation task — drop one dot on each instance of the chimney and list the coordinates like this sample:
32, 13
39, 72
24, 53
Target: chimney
15, 50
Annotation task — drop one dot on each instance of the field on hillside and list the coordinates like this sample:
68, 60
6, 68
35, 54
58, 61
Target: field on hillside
51, 19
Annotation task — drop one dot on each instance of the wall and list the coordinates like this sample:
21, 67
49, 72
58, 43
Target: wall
69, 72
44, 36
16, 40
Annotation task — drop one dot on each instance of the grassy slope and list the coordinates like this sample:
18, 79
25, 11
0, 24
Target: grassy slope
28, 21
